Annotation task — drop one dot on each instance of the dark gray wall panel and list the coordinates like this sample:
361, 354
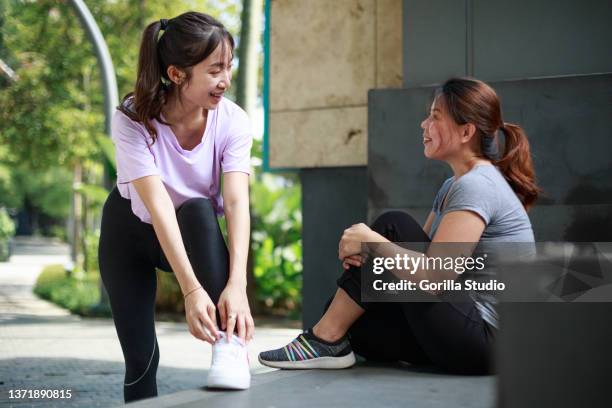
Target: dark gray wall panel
434, 33
532, 38
332, 199
398, 174
500, 39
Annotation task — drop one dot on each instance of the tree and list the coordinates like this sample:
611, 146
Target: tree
246, 94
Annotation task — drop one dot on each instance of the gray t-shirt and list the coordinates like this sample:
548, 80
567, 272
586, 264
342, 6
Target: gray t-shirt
484, 191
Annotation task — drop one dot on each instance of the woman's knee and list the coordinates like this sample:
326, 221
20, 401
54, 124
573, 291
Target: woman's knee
197, 205
394, 224
391, 217
388, 222
197, 211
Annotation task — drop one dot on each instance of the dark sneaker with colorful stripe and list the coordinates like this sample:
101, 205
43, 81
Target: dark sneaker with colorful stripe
307, 351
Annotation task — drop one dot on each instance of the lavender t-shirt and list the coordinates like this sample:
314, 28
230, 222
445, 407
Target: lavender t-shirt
225, 146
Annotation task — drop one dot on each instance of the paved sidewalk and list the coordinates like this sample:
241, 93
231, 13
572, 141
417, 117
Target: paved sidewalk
44, 347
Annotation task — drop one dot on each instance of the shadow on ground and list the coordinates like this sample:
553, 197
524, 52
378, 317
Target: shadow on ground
93, 383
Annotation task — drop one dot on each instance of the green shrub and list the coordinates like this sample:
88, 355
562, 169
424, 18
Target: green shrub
169, 297
7, 230
59, 232
91, 250
276, 243
75, 294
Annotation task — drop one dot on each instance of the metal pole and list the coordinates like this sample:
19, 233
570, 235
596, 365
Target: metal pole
109, 81
109, 87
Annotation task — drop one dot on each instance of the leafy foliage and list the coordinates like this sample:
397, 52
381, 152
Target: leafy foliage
7, 230
77, 294
276, 240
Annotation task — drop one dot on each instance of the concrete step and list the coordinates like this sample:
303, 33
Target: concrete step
365, 385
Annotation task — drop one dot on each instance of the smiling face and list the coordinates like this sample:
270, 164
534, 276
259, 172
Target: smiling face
210, 78
441, 135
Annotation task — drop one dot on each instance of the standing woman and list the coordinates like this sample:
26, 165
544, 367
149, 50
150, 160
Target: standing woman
174, 136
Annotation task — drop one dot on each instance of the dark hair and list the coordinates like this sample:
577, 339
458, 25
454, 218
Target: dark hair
186, 40
472, 101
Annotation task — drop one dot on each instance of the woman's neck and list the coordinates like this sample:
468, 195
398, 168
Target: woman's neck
183, 114
462, 165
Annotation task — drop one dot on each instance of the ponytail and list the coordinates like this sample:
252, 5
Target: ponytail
149, 94
517, 166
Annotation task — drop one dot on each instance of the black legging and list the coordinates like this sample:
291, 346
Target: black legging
129, 252
450, 335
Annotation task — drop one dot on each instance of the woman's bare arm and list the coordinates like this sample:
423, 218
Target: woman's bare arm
155, 197
236, 206
233, 300
429, 222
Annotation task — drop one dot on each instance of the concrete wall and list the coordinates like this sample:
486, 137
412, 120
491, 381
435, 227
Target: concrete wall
325, 56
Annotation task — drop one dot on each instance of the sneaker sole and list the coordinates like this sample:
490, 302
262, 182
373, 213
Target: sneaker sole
326, 363
228, 382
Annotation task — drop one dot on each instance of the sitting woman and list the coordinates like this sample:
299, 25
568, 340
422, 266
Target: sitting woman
485, 201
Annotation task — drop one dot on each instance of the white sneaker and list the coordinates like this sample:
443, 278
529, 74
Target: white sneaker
230, 364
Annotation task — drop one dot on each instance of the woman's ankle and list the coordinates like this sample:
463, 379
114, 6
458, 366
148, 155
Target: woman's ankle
328, 334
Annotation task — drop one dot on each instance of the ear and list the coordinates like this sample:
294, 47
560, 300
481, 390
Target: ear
176, 75
467, 132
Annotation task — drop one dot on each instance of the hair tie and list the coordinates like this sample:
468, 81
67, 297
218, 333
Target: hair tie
164, 23
490, 146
